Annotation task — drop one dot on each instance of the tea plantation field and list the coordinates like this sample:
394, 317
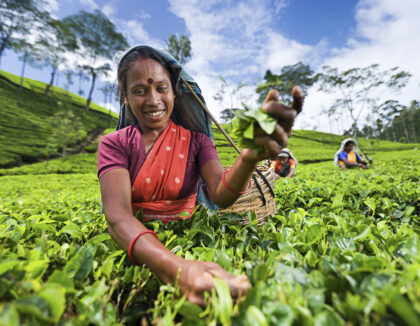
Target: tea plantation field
343, 249
26, 127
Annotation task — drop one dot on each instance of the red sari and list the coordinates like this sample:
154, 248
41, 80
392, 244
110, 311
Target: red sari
160, 179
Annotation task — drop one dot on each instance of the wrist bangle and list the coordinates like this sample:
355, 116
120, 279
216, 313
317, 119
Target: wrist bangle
233, 190
130, 247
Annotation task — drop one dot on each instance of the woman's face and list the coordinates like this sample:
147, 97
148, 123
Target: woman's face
282, 160
348, 148
150, 94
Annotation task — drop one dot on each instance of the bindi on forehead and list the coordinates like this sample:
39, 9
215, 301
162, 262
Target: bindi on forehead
150, 81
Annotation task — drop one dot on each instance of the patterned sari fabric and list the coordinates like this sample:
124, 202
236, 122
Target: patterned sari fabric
351, 157
341, 150
159, 181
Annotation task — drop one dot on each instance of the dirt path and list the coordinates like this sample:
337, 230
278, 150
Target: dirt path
89, 139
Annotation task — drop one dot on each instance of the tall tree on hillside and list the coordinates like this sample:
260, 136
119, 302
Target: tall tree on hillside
82, 77
387, 111
108, 90
359, 88
99, 41
401, 121
179, 48
220, 94
69, 78
54, 47
17, 21
297, 74
414, 119
27, 56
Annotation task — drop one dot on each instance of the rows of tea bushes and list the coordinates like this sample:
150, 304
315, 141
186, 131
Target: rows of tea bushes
311, 146
26, 127
343, 249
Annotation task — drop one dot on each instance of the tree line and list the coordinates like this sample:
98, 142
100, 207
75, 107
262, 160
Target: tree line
357, 93
82, 44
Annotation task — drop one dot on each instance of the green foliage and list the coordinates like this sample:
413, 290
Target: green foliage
309, 146
179, 48
67, 130
17, 19
297, 74
26, 129
359, 88
343, 248
80, 163
245, 123
99, 40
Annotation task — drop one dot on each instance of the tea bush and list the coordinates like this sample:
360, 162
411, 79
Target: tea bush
343, 249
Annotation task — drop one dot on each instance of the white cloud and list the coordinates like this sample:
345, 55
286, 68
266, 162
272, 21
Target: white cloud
236, 40
135, 33
142, 15
90, 4
108, 106
109, 8
280, 5
52, 6
231, 40
386, 33
281, 51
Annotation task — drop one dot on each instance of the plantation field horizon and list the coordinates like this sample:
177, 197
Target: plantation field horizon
307, 146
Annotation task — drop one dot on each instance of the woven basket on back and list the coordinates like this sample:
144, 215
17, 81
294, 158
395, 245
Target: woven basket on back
260, 201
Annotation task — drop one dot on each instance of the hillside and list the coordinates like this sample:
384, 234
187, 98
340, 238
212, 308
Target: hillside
308, 147
25, 129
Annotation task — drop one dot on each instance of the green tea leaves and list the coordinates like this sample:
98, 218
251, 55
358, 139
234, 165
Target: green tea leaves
244, 125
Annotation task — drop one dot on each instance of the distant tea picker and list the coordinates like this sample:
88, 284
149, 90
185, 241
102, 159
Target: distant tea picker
348, 157
284, 164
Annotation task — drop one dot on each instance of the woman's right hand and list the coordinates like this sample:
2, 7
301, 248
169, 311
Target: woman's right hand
197, 277
285, 115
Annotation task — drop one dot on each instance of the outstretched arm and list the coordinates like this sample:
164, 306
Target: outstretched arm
291, 172
237, 178
195, 277
351, 164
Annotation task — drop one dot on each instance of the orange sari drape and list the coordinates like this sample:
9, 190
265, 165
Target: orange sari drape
160, 179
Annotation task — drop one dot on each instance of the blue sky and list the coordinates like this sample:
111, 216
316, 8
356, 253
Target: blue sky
240, 40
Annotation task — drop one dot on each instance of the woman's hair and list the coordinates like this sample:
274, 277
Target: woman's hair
144, 52
349, 143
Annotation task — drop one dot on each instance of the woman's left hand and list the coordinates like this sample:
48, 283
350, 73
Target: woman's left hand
285, 115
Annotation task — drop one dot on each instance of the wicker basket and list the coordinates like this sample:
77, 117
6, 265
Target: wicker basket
254, 199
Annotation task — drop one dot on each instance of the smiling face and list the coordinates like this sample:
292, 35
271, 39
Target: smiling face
282, 160
149, 94
348, 147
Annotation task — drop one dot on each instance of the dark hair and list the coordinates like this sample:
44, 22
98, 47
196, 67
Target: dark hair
126, 63
349, 143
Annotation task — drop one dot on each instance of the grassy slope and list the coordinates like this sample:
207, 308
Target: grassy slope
310, 146
26, 128
313, 146
26, 131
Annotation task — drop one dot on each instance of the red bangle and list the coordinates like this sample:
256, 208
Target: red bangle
130, 247
233, 190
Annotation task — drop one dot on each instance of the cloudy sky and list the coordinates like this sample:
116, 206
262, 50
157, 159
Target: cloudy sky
240, 40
